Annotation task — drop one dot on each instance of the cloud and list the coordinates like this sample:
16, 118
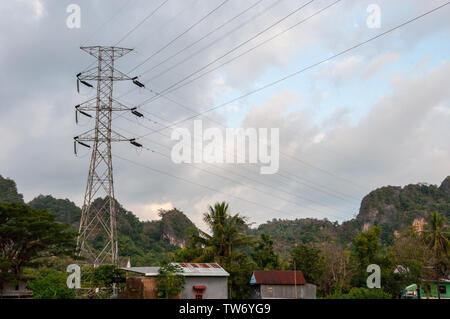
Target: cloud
403, 137
150, 211
355, 67
342, 69
377, 63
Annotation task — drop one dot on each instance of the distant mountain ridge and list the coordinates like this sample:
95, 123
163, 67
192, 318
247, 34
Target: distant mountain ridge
393, 208
8, 191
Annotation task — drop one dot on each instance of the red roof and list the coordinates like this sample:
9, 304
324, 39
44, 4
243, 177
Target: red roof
199, 287
278, 277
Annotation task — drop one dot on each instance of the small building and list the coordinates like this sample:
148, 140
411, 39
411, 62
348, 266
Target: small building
203, 281
280, 284
15, 290
429, 290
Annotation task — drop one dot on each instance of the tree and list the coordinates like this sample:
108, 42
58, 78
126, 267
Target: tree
309, 260
51, 284
367, 251
408, 258
170, 281
436, 237
367, 245
28, 234
338, 269
103, 276
227, 231
227, 236
264, 255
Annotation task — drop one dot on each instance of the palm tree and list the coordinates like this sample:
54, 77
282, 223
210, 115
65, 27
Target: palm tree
436, 237
226, 231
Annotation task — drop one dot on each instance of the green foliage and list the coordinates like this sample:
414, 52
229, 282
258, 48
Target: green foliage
170, 281
361, 293
8, 191
240, 270
28, 234
436, 235
222, 246
367, 250
367, 245
103, 276
334, 256
309, 260
287, 233
264, 255
64, 210
51, 284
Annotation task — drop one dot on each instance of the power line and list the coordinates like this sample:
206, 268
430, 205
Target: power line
119, 11
175, 88
282, 153
277, 2
180, 35
203, 186
290, 176
141, 22
208, 34
251, 49
297, 73
238, 46
246, 177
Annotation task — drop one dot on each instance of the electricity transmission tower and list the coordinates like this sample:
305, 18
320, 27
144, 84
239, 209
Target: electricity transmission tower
98, 219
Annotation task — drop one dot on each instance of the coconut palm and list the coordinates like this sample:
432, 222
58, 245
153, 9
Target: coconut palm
436, 237
226, 231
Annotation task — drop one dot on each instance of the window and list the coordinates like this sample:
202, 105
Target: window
199, 295
442, 289
199, 291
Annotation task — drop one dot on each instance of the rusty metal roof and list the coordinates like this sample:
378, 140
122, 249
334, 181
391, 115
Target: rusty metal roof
202, 269
189, 269
277, 277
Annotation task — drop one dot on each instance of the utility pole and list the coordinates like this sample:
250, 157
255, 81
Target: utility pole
295, 280
100, 221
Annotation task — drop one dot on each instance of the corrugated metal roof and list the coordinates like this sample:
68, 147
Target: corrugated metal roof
189, 269
202, 269
277, 277
146, 271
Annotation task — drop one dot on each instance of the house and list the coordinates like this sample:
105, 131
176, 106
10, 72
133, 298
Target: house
280, 284
429, 290
15, 289
203, 281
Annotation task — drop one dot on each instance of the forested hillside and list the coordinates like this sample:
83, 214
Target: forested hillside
393, 208
146, 243
8, 191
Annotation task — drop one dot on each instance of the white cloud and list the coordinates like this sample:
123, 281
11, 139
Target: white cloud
149, 211
404, 138
377, 63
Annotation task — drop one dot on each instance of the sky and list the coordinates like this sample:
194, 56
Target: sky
377, 115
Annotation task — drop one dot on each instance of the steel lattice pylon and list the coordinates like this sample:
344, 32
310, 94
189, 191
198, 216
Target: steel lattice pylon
100, 219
